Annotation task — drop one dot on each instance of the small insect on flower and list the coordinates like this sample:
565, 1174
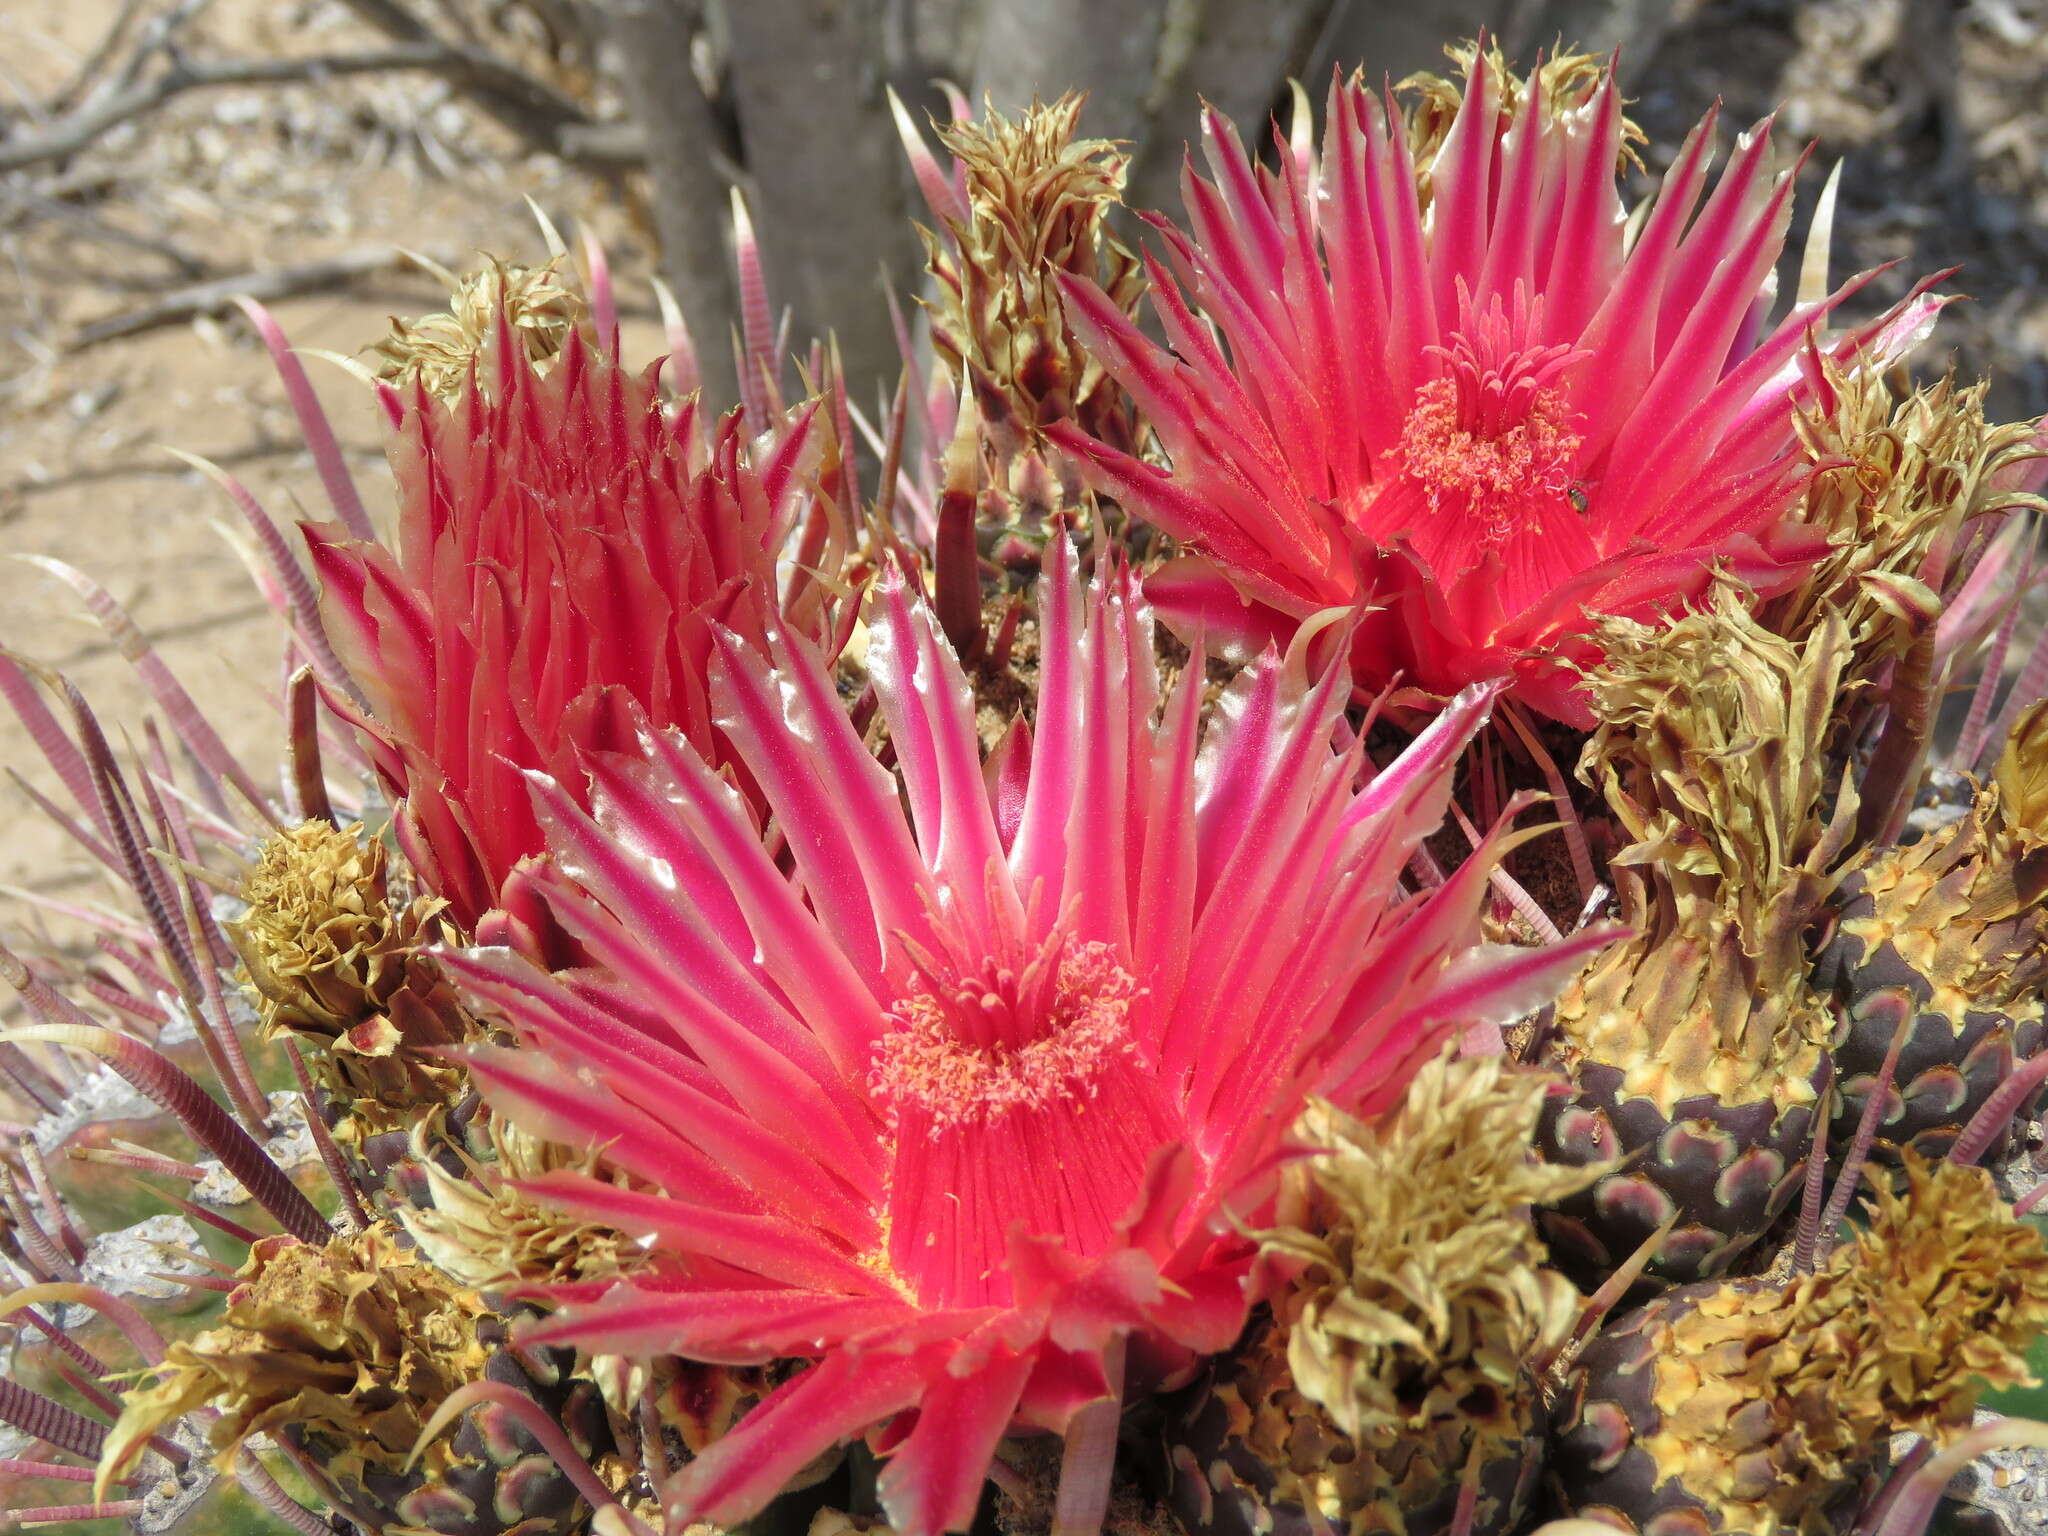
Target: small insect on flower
965, 1111
1441, 374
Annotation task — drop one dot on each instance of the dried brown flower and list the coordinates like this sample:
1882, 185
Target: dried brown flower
1769, 1398
337, 963
483, 1230
1038, 200
1566, 85
440, 350
1399, 1352
1713, 756
349, 1347
344, 1352
1955, 926
1897, 484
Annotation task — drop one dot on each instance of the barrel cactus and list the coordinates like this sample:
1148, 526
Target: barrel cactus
1409, 1343
989, 986
1696, 1046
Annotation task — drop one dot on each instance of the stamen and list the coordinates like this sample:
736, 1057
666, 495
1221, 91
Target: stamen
1016, 1094
983, 1046
1494, 439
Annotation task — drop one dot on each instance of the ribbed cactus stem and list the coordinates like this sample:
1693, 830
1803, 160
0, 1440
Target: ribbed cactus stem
34, 1414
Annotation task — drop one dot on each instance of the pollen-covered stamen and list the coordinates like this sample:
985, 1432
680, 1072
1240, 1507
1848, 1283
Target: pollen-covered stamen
1494, 437
1015, 1094
1010, 1036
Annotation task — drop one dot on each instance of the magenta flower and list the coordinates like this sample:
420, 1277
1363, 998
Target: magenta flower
564, 548
961, 1108
1471, 394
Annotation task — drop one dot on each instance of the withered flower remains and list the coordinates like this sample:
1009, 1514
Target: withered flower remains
343, 1353
1765, 1402
445, 352
1029, 203
1404, 1346
340, 964
1696, 1044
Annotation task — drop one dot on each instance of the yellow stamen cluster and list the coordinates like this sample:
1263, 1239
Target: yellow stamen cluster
965, 1056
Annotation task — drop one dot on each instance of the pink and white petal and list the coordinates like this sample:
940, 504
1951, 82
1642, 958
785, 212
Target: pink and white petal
933, 1480
854, 853
734, 1477
775, 1249
722, 1327
930, 710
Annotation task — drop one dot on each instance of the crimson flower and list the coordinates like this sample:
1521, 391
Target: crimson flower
1462, 387
565, 546
961, 1105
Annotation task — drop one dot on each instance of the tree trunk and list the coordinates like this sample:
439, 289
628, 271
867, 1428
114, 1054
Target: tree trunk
830, 187
1108, 48
1233, 55
651, 46
1394, 40
1592, 26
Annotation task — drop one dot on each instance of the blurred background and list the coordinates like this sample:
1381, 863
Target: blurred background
160, 156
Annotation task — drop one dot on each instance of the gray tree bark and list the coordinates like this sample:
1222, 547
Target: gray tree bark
1044, 48
1395, 40
830, 187
1595, 26
651, 46
1233, 55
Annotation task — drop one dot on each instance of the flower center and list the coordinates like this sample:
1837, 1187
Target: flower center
1008, 1037
1018, 1100
1492, 440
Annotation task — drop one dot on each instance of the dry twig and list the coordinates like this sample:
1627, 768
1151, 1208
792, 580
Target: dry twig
267, 286
98, 115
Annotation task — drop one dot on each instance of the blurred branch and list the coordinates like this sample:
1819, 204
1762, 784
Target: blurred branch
24, 200
267, 287
70, 134
109, 44
1395, 41
531, 108
1148, 64
621, 145
1635, 27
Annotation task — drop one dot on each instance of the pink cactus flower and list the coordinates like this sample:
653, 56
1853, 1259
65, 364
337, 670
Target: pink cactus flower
961, 1103
565, 548
1468, 392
